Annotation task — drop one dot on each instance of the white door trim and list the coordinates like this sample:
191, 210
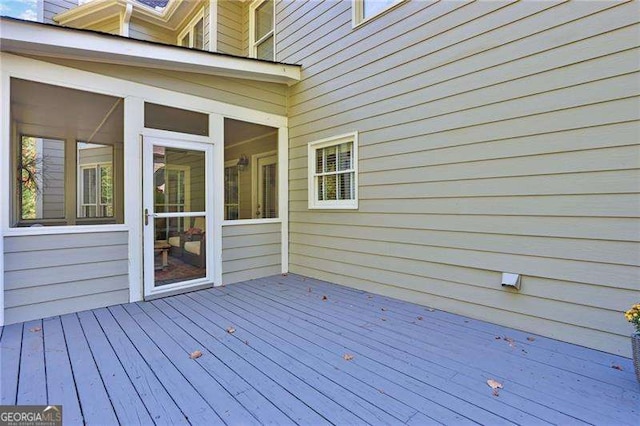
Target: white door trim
184, 142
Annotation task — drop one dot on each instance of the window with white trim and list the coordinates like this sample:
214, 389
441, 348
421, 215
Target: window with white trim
364, 10
262, 29
333, 172
193, 34
95, 180
231, 190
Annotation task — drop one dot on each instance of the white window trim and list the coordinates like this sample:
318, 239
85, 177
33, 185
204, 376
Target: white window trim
312, 147
228, 164
253, 43
188, 30
255, 183
80, 191
357, 12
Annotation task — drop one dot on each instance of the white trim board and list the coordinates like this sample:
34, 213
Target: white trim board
45, 72
5, 135
213, 25
45, 40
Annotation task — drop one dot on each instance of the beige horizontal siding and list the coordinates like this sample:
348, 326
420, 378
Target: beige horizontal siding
250, 251
49, 275
143, 30
261, 96
492, 137
231, 27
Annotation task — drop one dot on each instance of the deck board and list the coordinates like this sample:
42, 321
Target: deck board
161, 406
284, 363
10, 350
358, 396
32, 385
538, 376
61, 388
94, 400
260, 407
126, 402
450, 349
276, 366
226, 407
211, 339
195, 407
545, 350
379, 359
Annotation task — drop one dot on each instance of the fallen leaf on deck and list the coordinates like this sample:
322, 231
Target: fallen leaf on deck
493, 384
531, 339
430, 309
419, 318
35, 329
509, 340
246, 342
616, 367
324, 298
347, 357
381, 390
383, 319
497, 337
231, 330
195, 354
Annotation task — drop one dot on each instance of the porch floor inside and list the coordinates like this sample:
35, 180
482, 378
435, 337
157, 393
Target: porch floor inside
295, 350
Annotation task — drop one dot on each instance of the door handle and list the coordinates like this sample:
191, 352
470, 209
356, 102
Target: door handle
146, 215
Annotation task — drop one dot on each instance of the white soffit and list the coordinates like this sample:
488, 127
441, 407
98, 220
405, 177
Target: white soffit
24, 37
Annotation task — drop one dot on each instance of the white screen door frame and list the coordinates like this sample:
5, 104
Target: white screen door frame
149, 214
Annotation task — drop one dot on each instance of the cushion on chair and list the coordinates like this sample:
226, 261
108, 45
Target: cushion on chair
192, 247
200, 223
174, 241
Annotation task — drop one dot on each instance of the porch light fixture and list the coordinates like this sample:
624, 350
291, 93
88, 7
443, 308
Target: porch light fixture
243, 162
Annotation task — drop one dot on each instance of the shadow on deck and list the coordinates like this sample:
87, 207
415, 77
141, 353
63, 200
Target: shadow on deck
278, 350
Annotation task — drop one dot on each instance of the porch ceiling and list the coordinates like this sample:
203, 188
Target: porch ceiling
285, 362
32, 38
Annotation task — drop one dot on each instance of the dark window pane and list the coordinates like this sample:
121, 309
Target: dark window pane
264, 19
198, 34
42, 178
265, 49
330, 189
344, 156
345, 186
175, 119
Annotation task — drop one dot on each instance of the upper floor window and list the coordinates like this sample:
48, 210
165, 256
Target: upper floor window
333, 174
363, 10
193, 34
261, 29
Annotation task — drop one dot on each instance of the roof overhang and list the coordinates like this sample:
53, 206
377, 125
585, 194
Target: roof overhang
171, 17
31, 38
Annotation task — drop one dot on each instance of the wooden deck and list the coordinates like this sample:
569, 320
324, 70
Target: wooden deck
284, 363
